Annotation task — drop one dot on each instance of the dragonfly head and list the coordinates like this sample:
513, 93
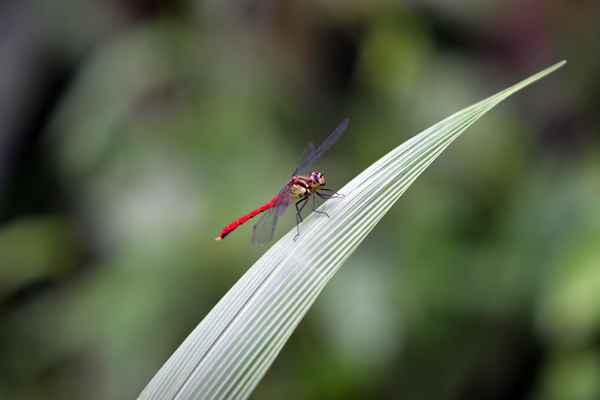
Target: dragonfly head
316, 180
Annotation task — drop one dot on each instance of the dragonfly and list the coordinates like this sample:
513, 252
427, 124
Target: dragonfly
298, 187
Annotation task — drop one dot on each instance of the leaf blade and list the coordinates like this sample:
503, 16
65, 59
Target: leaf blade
231, 349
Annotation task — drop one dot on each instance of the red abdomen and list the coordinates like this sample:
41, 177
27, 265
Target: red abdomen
227, 230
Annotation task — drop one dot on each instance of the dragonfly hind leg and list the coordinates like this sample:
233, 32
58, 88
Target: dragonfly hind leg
298, 216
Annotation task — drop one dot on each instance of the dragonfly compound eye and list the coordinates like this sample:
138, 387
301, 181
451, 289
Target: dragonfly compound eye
316, 180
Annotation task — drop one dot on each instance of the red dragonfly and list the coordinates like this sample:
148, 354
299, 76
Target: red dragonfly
298, 187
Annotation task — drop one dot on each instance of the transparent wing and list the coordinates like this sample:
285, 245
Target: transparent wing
262, 232
335, 135
308, 151
283, 201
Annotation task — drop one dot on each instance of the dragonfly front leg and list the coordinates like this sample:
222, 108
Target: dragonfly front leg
327, 196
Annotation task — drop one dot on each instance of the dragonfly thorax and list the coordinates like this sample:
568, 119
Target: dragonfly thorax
301, 186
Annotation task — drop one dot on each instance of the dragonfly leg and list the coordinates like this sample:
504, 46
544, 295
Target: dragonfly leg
313, 207
298, 211
299, 216
325, 196
328, 196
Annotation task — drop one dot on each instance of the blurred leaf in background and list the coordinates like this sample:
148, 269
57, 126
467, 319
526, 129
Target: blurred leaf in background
132, 132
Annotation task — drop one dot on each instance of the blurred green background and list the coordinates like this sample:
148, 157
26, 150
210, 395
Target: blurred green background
132, 132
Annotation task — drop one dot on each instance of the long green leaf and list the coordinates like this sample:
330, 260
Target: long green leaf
226, 356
